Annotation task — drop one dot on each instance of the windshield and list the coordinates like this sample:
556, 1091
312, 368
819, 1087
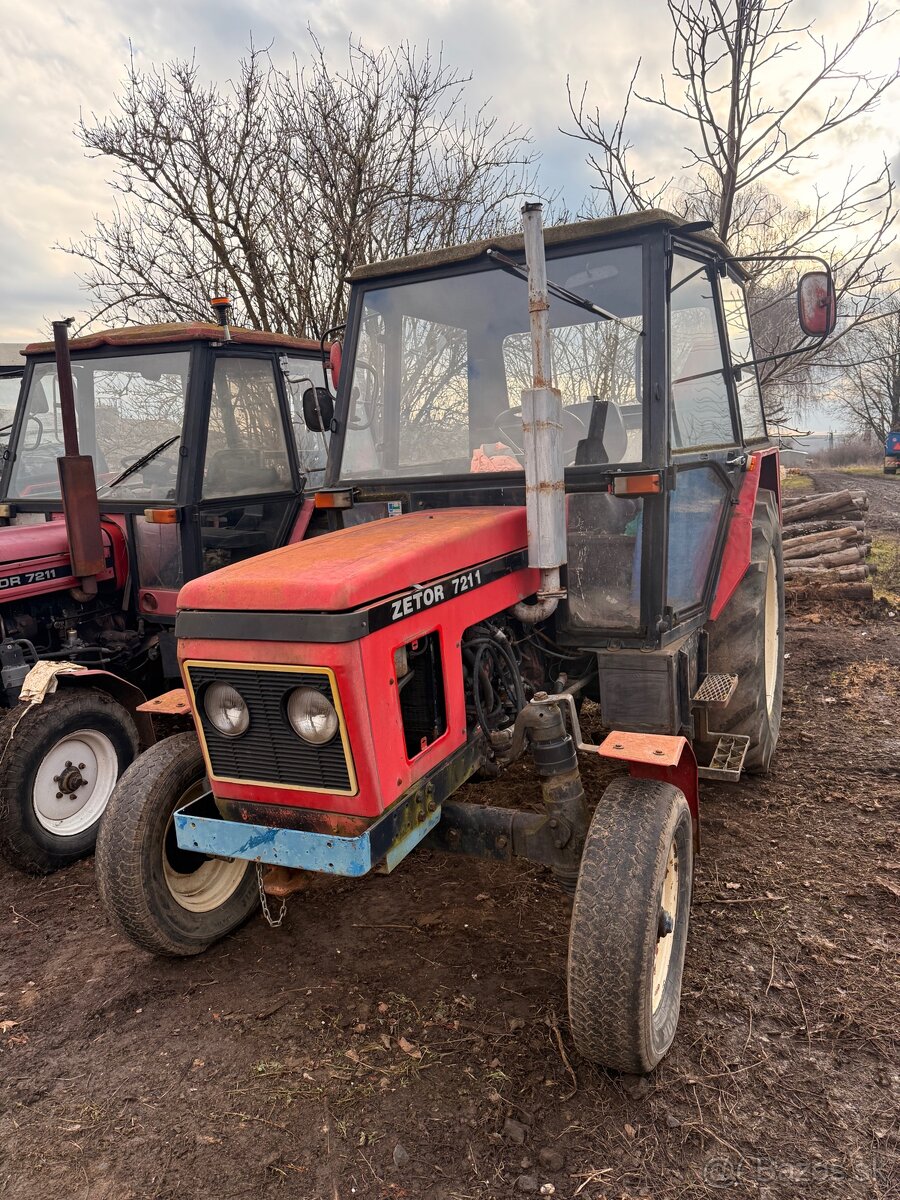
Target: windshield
312, 446
439, 367
125, 406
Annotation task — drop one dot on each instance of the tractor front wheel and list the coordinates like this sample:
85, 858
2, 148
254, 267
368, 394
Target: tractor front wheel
164, 899
59, 762
629, 925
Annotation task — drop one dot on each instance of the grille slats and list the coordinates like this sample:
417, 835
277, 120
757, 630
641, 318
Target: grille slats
270, 751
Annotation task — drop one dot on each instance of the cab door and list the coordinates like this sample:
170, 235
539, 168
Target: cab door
249, 486
704, 436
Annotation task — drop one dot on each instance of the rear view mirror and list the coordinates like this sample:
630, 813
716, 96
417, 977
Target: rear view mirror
816, 303
318, 409
334, 362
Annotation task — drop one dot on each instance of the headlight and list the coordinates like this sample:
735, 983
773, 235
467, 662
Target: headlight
312, 715
227, 709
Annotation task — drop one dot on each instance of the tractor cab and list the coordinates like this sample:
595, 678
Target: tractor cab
199, 447
190, 452
550, 481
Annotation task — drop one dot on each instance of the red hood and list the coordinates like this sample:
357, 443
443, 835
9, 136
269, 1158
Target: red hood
353, 567
31, 543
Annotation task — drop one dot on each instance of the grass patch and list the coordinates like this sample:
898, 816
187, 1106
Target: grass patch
884, 555
863, 469
796, 481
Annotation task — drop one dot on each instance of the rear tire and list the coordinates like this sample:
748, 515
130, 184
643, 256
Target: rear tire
59, 763
747, 640
625, 961
166, 900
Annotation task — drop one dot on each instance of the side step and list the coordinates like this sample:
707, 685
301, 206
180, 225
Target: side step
715, 691
728, 758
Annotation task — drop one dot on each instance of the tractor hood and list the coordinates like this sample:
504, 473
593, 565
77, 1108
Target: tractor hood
35, 559
342, 571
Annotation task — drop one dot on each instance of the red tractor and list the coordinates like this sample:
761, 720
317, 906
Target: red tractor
190, 453
498, 549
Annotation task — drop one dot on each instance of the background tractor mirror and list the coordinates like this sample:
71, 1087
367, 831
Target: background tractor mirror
816, 303
334, 362
318, 409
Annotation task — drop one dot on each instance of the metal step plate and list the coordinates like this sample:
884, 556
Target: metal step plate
715, 691
728, 758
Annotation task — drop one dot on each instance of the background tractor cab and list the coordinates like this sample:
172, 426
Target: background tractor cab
200, 458
550, 479
12, 368
892, 452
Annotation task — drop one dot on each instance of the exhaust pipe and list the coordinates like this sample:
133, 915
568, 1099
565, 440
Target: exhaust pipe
545, 499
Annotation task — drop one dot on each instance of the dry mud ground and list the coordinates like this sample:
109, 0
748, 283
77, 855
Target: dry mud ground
406, 1036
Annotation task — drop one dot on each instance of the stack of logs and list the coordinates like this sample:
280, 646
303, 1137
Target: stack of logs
825, 546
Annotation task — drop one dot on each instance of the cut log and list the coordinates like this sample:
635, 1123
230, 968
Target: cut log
817, 575
830, 591
831, 546
817, 505
801, 528
843, 558
841, 533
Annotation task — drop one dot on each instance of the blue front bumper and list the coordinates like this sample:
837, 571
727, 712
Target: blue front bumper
320, 852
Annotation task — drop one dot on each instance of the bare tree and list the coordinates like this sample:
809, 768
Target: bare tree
750, 124
867, 380
274, 188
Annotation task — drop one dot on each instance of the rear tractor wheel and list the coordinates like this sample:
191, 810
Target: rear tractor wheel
747, 640
164, 899
629, 925
59, 762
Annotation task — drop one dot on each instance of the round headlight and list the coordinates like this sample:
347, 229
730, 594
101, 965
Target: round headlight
312, 715
227, 709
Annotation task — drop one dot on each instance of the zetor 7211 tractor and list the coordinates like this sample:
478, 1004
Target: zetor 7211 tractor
193, 456
501, 547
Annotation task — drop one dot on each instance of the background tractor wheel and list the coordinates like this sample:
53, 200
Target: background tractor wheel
747, 640
167, 900
629, 925
59, 762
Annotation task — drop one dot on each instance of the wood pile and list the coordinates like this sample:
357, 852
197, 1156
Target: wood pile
825, 546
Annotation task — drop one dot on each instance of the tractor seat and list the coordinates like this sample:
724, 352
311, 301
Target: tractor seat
236, 472
607, 438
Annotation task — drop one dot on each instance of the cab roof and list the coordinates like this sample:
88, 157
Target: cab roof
177, 331
554, 235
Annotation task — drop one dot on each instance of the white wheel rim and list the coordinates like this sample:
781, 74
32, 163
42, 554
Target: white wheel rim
772, 631
668, 915
213, 882
74, 782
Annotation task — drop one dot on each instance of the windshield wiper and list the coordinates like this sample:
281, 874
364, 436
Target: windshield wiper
140, 462
555, 289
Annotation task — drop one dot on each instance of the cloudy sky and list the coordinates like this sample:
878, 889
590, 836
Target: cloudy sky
59, 59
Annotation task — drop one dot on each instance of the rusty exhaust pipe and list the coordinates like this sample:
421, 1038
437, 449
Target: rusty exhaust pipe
77, 482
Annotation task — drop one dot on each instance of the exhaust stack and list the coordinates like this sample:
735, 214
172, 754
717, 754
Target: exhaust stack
77, 482
545, 499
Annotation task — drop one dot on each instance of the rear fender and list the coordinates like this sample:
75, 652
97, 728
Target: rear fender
762, 472
127, 694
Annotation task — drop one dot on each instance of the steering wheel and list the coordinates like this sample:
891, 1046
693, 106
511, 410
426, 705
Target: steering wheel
509, 424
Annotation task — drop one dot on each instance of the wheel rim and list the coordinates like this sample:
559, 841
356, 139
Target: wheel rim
74, 782
207, 885
772, 631
666, 926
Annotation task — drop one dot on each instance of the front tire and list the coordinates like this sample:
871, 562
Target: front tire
59, 763
164, 899
629, 925
747, 640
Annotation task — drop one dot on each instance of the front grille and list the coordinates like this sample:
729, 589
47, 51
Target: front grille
270, 751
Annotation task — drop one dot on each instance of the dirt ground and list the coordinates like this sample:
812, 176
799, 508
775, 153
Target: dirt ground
405, 1036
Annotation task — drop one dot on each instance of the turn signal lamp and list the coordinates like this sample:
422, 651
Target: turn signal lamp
161, 516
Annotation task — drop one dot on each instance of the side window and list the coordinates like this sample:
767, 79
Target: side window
246, 453
695, 513
312, 446
734, 304
701, 412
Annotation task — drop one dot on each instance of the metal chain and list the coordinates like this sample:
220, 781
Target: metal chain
274, 922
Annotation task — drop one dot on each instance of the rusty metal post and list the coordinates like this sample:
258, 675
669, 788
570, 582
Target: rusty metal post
77, 482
